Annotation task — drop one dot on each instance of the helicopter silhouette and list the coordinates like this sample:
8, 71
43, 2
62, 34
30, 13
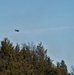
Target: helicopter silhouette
16, 30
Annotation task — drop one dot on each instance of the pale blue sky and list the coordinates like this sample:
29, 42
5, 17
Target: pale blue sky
48, 21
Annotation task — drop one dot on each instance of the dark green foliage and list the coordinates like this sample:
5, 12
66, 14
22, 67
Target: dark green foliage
28, 60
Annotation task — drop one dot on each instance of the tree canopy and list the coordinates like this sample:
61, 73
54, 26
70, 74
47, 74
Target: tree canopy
28, 60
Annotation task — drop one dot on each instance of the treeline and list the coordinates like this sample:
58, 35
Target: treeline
30, 59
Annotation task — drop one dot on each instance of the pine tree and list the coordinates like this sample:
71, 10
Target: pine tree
28, 60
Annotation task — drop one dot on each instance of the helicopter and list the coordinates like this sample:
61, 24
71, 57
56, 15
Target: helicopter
16, 30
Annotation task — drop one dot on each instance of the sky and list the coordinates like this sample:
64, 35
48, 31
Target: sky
48, 21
